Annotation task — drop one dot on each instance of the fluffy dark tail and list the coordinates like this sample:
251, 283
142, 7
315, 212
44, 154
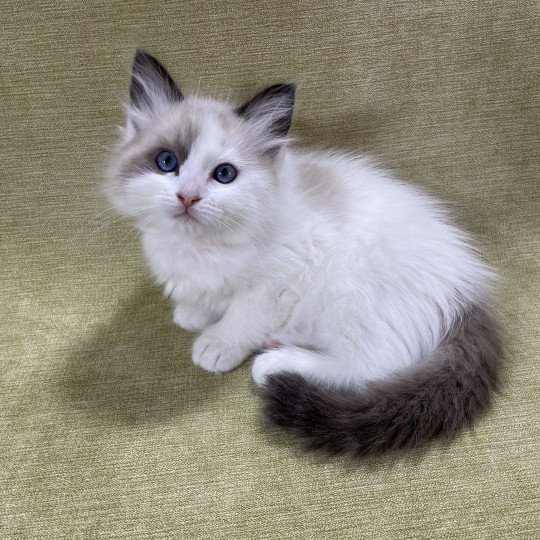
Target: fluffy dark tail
434, 398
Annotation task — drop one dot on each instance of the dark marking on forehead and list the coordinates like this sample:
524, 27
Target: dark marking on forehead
141, 156
181, 143
184, 142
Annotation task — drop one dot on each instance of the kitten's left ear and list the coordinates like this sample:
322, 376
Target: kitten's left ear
151, 84
273, 107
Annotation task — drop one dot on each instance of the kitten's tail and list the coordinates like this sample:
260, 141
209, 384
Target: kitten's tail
434, 398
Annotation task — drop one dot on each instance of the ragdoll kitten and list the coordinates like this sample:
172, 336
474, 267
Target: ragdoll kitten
366, 307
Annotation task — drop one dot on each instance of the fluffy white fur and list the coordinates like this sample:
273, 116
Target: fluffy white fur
319, 262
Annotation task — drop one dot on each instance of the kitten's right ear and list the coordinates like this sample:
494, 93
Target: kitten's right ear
151, 84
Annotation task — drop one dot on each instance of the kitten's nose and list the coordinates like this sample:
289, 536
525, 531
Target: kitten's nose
188, 200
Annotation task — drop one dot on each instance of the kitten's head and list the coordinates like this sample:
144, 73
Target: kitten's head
198, 166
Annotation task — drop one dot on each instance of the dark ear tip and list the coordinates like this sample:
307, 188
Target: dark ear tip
280, 97
148, 70
284, 88
142, 57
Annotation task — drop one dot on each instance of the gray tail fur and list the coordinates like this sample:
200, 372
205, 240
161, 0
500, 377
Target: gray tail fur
434, 398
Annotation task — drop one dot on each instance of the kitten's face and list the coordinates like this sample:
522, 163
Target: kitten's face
195, 165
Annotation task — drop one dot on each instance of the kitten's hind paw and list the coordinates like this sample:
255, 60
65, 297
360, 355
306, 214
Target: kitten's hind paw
309, 363
213, 354
272, 361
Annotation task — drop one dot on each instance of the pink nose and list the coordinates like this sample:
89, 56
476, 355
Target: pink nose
188, 200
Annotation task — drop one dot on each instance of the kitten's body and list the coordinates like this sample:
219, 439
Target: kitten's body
343, 277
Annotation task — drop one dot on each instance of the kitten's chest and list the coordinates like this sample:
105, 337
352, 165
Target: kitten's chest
190, 272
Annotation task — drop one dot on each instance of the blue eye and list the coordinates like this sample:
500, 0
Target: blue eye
224, 173
167, 161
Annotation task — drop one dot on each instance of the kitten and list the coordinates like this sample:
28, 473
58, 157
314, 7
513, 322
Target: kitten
367, 308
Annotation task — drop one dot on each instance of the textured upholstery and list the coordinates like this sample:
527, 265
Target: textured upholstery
106, 428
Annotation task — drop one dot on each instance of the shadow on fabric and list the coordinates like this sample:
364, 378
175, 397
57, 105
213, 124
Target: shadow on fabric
137, 367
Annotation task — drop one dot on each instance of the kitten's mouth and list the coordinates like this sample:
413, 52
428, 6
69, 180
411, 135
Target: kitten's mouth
184, 216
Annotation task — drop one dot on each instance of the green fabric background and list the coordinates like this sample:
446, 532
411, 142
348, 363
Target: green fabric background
106, 429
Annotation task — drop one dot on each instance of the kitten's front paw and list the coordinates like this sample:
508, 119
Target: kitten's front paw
213, 354
190, 320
